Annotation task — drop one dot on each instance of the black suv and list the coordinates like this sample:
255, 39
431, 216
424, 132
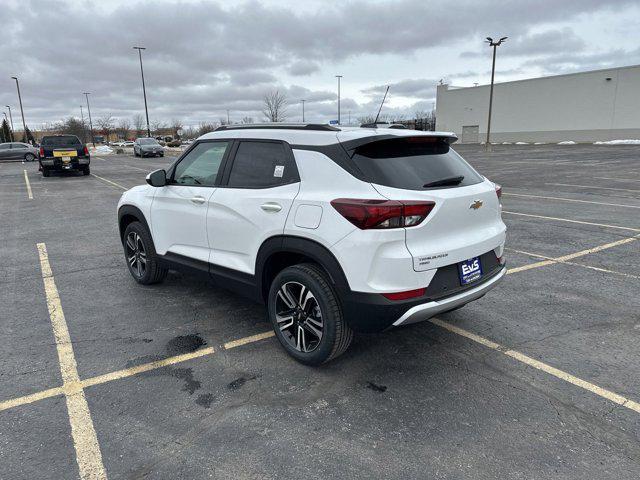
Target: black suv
62, 153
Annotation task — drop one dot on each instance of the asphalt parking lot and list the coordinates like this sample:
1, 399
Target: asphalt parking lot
538, 379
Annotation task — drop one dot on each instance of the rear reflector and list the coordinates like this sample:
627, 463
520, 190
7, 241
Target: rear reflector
498, 190
380, 214
405, 295
41, 151
86, 150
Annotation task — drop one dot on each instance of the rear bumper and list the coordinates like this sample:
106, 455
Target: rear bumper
56, 163
370, 312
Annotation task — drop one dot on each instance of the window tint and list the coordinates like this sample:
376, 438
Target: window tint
201, 165
5, 146
62, 140
414, 163
18, 145
261, 164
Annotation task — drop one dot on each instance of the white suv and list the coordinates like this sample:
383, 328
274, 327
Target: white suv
336, 229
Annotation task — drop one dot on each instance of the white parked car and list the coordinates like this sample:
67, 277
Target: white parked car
336, 229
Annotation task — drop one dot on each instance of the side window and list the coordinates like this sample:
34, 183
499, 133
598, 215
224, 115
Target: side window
261, 164
5, 146
200, 166
18, 145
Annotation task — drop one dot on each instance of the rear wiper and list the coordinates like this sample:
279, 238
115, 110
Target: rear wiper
445, 182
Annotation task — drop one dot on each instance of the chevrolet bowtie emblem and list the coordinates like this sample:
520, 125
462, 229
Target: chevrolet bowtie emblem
476, 205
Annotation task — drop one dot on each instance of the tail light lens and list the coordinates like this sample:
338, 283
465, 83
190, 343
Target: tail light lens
382, 214
498, 190
86, 150
42, 151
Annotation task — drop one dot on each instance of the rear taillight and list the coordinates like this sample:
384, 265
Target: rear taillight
405, 295
86, 150
367, 214
498, 190
41, 151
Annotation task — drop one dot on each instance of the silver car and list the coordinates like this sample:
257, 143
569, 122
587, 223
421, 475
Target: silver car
147, 147
18, 151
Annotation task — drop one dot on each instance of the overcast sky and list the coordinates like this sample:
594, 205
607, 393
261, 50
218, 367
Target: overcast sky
204, 57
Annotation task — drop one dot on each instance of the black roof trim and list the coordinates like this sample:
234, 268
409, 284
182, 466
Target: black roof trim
280, 126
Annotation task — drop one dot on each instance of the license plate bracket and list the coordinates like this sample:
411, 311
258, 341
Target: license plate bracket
470, 271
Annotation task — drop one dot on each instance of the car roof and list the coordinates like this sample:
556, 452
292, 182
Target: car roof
301, 134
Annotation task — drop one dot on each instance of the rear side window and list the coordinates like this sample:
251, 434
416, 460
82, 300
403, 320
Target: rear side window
261, 165
414, 163
63, 140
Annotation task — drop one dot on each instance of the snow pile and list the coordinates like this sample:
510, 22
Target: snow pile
506, 143
540, 143
102, 150
619, 142
522, 143
567, 142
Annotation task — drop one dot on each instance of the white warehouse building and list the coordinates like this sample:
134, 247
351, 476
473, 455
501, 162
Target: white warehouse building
599, 105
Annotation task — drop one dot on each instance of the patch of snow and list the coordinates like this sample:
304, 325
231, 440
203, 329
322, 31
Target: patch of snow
567, 142
506, 143
522, 143
619, 142
102, 150
540, 143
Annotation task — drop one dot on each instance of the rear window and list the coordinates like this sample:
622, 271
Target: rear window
414, 163
62, 140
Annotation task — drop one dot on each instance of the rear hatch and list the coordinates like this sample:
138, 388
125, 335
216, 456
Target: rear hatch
465, 221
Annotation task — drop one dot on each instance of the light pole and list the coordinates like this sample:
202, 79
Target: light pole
10, 121
84, 129
93, 140
338, 77
493, 71
24, 125
144, 90
303, 110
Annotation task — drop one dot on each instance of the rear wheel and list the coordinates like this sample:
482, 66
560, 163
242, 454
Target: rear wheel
45, 172
306, 315
29, 157
141, 257
86, 170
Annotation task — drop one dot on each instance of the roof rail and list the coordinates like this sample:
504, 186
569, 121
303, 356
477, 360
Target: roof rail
280, 126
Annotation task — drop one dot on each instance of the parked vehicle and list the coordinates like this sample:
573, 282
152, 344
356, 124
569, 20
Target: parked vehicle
147, 147
336, 229
18, 151
63, 153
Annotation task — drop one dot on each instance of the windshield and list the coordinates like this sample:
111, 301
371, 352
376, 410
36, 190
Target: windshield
148, 141
60, 141
414, 163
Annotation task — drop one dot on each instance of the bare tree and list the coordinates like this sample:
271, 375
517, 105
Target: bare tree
247, 120
156, 126
366, 119
205, 128
138, 124
106, 126
275, 106
124, 127
175, 126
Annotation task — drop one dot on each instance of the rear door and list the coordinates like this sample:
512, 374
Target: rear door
252, 205
466, 219
5, 151
179, 209
19, 150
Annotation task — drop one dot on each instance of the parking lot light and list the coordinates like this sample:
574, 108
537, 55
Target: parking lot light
303, 110
495, 45
24, 125
144, 90
93, 140
338, 77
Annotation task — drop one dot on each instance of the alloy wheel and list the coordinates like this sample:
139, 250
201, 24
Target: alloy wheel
136, 255
299, 317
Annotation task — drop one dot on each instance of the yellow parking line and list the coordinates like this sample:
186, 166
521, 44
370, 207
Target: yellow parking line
110, 182
593, 186
251, 339
567, 377
557, 219
562, 199
34, 397
544, 263
85, 441
26, 180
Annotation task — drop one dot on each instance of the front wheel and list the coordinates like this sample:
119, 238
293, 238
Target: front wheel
141, 257
306, 315
45, 172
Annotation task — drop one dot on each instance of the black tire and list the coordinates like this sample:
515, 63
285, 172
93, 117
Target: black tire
29, 157
45, 172
162, 154
134, 235
134, 153
336, 335
86, 170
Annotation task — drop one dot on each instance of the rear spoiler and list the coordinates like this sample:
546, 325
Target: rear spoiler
445, 137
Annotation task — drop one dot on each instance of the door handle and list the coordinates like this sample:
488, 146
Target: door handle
271, 207
198, 200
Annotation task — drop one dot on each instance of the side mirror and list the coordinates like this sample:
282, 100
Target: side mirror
157, 178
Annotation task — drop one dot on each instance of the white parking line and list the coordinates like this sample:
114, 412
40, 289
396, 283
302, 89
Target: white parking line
618, 179
557, 219
593, 186
109, 182
562, 199
567, 377
26, 180
84, 436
